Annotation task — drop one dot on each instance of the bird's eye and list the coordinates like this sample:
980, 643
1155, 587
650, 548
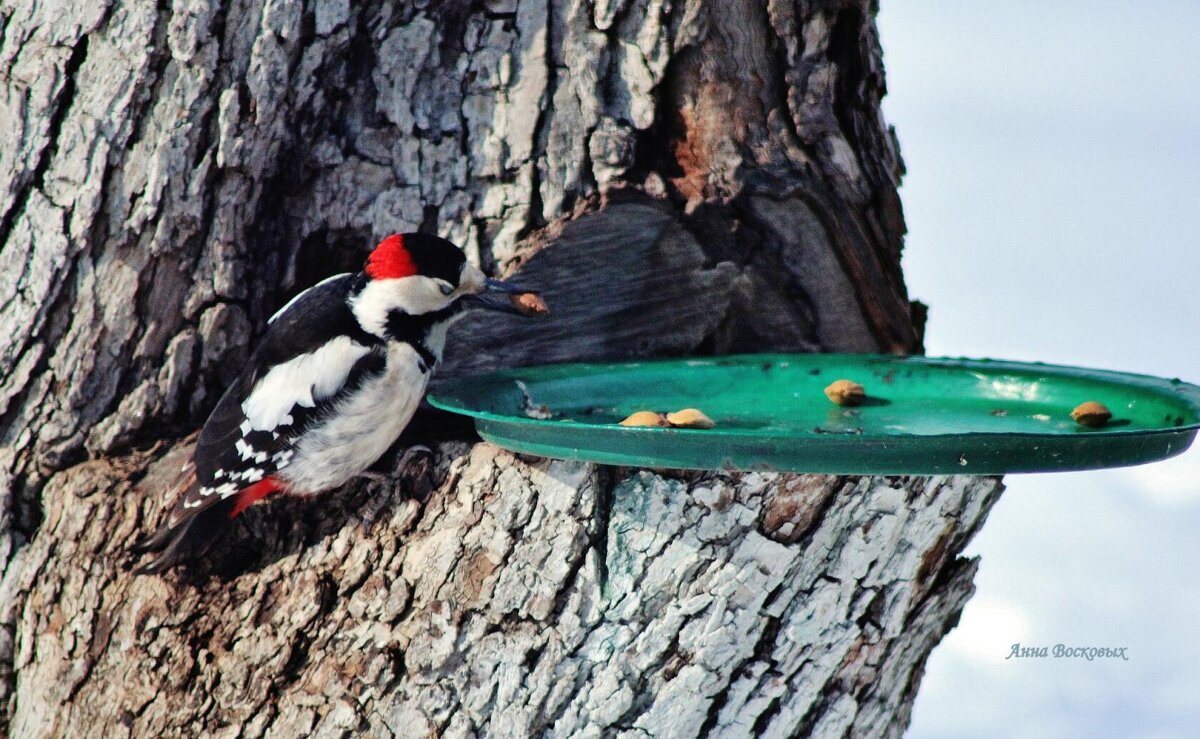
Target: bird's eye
445, 287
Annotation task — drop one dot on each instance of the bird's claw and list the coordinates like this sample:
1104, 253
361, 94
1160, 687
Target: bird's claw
415, 471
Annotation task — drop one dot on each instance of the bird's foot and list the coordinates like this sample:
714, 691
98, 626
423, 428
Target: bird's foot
411, 455
415, 471
411, 477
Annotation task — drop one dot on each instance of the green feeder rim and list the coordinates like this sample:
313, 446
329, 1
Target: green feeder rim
921, 415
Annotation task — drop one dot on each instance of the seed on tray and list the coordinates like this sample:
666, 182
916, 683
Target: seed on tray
645, 418
690, 418
846, 392
1091, 414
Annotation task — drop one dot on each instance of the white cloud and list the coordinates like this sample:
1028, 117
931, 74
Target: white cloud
1173, 482
988, 629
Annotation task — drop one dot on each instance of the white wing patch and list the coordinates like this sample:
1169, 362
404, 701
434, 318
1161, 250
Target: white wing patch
364, 426
224, 490
303, 381
292, 302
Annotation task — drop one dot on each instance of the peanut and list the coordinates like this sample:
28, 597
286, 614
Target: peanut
846, 392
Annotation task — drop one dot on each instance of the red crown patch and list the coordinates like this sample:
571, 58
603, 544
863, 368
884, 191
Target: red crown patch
390, 260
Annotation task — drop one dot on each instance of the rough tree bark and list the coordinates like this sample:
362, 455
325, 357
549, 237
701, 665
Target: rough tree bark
680, 176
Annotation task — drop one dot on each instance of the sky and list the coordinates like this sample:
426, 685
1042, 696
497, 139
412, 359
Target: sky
1053, 155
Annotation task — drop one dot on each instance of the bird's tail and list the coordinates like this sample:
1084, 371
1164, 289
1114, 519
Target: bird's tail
176, 542
195, 522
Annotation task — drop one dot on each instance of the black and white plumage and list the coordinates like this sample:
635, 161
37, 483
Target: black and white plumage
337, 377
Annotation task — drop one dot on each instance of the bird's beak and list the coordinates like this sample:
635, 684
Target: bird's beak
495, 296
500, 286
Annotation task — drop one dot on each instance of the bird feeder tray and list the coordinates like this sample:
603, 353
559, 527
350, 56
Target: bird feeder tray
919, 415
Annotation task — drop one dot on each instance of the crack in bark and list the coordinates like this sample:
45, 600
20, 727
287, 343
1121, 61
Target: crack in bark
57, 114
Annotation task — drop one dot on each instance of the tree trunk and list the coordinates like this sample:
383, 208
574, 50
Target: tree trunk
688, 177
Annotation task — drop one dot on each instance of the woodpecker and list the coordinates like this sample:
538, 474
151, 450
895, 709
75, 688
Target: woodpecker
334, 381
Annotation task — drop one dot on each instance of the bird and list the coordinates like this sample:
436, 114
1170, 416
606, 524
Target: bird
335, 379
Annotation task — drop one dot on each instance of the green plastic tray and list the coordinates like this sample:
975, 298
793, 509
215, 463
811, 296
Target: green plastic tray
923, 415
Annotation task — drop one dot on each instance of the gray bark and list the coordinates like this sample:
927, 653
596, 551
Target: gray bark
679, 177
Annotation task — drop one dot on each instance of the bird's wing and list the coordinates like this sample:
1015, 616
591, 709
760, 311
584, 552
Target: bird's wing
252, 432
329, 284
312, 354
